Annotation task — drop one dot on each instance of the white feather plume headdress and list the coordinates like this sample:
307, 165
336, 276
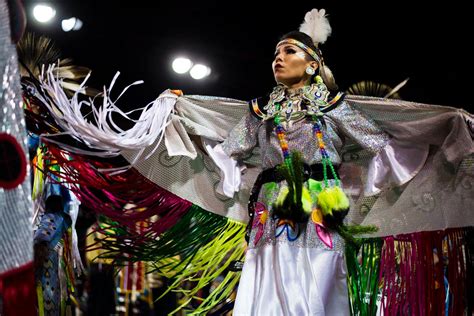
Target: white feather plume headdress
316, 25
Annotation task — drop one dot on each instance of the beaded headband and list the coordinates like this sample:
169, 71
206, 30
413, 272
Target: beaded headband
304, 47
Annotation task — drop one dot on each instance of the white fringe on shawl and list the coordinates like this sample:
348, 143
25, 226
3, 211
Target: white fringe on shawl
101, 132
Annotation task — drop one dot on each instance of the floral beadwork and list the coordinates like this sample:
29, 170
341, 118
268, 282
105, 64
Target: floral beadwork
289, 105
261, 215
292, 229
322, 232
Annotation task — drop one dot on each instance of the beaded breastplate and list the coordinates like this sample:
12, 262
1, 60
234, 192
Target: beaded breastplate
294, 105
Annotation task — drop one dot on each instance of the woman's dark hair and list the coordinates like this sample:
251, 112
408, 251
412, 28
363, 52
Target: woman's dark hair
301, 37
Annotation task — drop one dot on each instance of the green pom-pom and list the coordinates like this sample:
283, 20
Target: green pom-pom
270, 188
314, 186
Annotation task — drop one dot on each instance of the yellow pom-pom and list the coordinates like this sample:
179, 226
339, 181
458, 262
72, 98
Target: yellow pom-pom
342, 202
326, 201
332, 199
281, 196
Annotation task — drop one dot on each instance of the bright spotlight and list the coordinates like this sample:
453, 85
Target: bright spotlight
72, 24
43, 13
200, 71
182, 65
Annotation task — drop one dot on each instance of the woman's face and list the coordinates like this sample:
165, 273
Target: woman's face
289, 66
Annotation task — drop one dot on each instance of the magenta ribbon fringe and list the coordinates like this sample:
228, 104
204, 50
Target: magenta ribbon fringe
127, 197
427, 273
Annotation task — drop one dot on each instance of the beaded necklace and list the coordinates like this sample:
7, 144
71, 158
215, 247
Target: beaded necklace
315, 96
332, 201
316, 116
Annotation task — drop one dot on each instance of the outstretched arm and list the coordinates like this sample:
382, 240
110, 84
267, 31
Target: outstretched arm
393, 163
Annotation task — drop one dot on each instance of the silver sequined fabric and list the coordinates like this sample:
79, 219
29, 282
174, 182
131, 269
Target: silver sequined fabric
342, 124
15, 205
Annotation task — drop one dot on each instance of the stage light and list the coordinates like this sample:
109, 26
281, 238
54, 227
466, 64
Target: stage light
43, 13
182, 65
200, 71
72, 24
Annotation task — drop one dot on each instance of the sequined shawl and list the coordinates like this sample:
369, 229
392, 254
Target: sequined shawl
438, 196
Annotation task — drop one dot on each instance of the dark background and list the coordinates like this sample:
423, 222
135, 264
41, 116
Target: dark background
386, 42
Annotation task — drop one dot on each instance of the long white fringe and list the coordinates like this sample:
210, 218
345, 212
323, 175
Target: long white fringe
105, 135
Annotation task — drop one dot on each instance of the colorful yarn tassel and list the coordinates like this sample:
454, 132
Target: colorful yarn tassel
332, 201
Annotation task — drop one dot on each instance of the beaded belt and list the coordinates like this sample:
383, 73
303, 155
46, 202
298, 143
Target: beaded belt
314, 171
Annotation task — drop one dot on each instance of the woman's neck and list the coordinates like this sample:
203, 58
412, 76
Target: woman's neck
295, 89
297, 85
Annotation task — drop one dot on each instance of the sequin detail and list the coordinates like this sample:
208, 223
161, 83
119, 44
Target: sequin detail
342, 123
361, 129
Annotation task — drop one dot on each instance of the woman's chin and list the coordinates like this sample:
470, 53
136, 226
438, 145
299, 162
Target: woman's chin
281, 80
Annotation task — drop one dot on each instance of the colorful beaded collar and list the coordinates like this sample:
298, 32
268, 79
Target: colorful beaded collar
288, 104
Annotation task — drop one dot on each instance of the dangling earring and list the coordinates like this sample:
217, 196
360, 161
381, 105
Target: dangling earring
310, 70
